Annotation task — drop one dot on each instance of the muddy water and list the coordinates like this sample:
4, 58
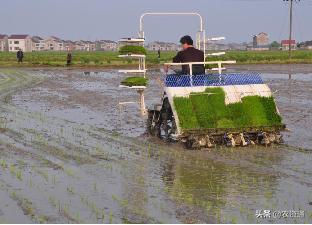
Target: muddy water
70, 154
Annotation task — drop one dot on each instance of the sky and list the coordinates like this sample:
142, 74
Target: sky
237, 20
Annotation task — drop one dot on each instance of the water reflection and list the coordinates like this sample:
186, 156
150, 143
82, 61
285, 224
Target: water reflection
294, 101
135, 203
290, 81
224, 191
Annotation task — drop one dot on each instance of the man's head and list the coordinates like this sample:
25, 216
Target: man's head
186, 42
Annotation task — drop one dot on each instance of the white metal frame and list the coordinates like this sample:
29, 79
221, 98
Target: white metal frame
200, 39
142, 70
200, 35
140, 58
140, 90
215, 54
132, 40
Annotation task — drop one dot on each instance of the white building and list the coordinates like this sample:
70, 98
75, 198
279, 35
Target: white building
309, 47
54, 44
106, 45
88, 45
285, 45
78, 46
163, 46
84, 46
22, 42
38, 44
4, 44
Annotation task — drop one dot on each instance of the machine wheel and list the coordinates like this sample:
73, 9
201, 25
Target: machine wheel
189, 144
152, 122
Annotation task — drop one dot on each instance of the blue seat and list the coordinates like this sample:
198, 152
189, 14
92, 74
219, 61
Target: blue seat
174, 80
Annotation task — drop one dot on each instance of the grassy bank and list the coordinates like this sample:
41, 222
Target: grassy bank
87, 59
266, 57
111, 59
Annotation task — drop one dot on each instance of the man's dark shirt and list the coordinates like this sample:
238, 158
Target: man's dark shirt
69, 57
191, 54
19, 54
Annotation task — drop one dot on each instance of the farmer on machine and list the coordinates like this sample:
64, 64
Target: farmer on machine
189, 54
19, 56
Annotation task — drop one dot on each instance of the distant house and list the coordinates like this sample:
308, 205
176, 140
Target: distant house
216, 46
91, 46
285, 45
78, 46
212, 46
69, 45
4, 43
54, 44
260, 42
163, 46
307, 45
106, 45
20, 41
85, 46
37, 44
237, 46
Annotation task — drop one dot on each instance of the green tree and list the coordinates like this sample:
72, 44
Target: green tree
275, 44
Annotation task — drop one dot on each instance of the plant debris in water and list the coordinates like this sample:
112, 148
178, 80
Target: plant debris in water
208, 110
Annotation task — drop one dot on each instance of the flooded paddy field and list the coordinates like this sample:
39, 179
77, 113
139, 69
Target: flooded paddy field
69, 154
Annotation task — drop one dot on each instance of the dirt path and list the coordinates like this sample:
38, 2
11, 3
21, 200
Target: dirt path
67, 157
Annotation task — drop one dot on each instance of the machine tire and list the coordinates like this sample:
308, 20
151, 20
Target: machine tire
152, 130
149, 122
188, 144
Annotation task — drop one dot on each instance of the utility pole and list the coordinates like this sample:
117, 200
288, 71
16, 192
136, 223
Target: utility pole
290, 23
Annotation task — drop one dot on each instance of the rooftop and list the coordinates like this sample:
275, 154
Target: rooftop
286, 42
107, 41
55, 38
36, 39
18, 36
3, 36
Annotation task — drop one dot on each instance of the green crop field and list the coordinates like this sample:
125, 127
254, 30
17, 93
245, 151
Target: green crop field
266, 57
208, 110
88, 59
111, 59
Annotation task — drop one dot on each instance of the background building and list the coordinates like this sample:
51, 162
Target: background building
20, 41
285, 45
86, 45
163, 46
54, 44
307, 45
37, 44
4, 43
106, 45
261, 42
